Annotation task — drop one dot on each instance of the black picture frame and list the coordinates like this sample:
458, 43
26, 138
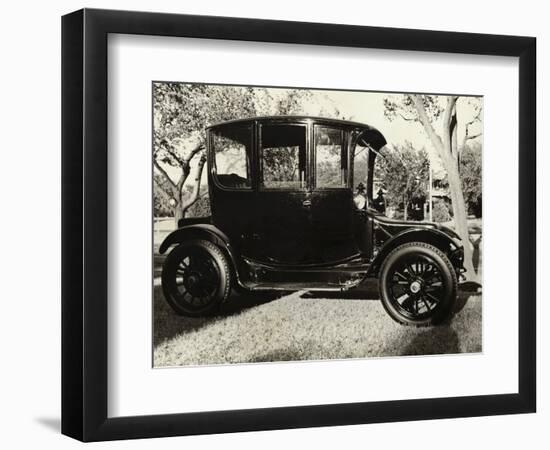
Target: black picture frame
84, 224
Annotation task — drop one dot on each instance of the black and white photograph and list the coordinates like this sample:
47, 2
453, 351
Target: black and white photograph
298, 224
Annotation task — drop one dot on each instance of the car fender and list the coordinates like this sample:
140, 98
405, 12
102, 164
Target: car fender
452, 247
206, 232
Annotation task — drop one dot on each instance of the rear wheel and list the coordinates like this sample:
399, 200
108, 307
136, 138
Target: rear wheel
418, 285
196, 278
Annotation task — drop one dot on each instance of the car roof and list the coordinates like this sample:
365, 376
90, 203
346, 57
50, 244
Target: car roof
379, 139
295, 118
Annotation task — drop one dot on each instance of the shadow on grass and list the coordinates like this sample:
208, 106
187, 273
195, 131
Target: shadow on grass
366, 291
280, 354
167, 324
466, 291
433, 341
369, 291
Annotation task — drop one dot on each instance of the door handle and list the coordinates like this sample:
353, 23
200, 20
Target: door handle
306, 203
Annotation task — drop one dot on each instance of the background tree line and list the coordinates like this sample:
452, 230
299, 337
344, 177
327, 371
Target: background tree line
404, 172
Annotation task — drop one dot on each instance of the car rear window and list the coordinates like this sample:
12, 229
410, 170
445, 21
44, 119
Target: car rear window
232, 146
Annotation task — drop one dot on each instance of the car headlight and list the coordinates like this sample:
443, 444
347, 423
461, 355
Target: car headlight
360, 201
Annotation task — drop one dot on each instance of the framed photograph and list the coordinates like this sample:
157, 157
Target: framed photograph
273, 224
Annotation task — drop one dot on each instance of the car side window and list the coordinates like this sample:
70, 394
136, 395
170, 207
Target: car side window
330, 158
283, 156
232, 145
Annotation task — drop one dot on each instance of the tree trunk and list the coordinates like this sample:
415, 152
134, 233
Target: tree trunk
185, 203
460, 216
178, 213
445, 146
177, 189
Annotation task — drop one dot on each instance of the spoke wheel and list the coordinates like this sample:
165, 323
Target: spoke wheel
418, 285
196, 278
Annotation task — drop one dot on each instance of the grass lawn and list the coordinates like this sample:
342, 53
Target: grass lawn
305, 326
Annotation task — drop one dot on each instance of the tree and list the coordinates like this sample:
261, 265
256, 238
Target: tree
429, 110
281, 102
470, 175
181, 112
161, 199
404, 172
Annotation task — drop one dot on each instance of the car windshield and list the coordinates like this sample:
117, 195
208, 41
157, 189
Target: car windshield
362, 158
400, 182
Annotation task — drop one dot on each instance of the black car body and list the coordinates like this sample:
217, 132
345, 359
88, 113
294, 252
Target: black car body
284, 218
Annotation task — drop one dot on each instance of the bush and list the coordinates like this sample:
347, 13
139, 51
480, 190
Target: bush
441, 212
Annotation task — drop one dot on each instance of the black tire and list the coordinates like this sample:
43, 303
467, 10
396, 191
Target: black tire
196, 278
418, 285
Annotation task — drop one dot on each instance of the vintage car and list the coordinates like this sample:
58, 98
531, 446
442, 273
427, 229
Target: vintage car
285, 216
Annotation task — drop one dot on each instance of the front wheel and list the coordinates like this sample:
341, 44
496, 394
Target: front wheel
418, 285
196, 278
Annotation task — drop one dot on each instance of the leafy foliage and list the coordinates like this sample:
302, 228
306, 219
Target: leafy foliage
161, 198
328, 148
441, 212
182, 112
470, 175
404, 174
403, 106
281, 166
201, 208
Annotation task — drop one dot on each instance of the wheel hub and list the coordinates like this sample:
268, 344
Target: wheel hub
415, 287
192, 280
193, 283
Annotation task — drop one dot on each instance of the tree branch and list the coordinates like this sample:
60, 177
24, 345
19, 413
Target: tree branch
448, 125
193, 152
196, 187
428, 127
163, 188
174, 155
186, 167
167, 144
473, 136
163, 173
407, 118
475, 119
467, 135
451, 102
453, 130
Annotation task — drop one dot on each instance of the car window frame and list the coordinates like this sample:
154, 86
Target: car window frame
344, 148
260, 159
250, 157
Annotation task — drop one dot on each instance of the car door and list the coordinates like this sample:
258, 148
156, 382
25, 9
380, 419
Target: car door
282, 201
332, 210
231, 191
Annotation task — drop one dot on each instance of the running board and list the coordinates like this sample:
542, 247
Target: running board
295, 286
